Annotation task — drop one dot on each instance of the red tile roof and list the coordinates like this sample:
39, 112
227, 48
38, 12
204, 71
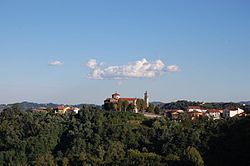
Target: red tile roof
116, 94
61, 107
130, 99
194, 107
194, 112
214, 111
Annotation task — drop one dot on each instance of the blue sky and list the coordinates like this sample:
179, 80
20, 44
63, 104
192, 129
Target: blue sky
209, 42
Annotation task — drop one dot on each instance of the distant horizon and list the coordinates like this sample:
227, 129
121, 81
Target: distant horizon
103, 103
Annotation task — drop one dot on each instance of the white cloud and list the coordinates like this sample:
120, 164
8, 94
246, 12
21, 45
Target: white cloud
173, 68
138, 69
91, 63
55, 63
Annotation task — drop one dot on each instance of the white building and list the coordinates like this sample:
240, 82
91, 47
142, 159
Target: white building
146, 99
232, 112
214, 113
196, 108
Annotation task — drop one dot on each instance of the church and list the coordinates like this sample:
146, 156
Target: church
116, 98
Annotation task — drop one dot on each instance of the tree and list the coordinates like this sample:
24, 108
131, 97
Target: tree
157, 110
135, 157
193, 157
125, 104
150, 108
44, 160
114, 106
115, 153
107, 106
141, 104
131, 107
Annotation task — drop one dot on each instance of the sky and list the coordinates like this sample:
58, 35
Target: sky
81, 51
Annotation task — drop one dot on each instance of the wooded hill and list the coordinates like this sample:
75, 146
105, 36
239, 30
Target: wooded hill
97, 137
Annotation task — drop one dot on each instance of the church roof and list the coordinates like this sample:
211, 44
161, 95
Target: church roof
116, 94
129, 99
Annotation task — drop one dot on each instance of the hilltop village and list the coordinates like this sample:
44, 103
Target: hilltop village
174, 111
193, 111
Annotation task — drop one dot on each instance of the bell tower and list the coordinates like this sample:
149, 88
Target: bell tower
146, 99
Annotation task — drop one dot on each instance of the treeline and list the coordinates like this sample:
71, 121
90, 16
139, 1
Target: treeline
97, 137
183, 105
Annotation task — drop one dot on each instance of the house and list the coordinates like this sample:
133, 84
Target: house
214, 113
232, 112
196, 108
195, 114
73, 110
116, 98
63, 109
174, 114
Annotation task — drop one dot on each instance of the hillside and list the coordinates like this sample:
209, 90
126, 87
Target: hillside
96, 137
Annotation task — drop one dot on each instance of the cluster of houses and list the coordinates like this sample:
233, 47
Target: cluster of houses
66, 109
195, 112
60, 109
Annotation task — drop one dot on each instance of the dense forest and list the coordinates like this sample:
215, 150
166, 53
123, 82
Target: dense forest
97, 137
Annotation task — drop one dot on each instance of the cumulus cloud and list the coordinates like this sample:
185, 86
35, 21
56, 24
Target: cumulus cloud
91, 64
172, 68
138, 69
55, 63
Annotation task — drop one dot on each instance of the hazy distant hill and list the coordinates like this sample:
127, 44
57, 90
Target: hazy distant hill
28, 105
24, 106
245, 102
157, 103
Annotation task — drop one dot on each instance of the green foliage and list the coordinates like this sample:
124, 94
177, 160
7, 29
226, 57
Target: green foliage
141, 104
135, 157
172, 157
157, 110
123, 105
97, 137
181, 104
192, 156
150, 108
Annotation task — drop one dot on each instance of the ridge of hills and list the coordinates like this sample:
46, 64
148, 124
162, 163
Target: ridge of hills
31, 105
182, 104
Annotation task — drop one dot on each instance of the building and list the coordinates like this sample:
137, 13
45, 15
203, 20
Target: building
66, 109
116, 98
195, 114
146, 99
196, 108
174, 114
232, 112
214, 113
